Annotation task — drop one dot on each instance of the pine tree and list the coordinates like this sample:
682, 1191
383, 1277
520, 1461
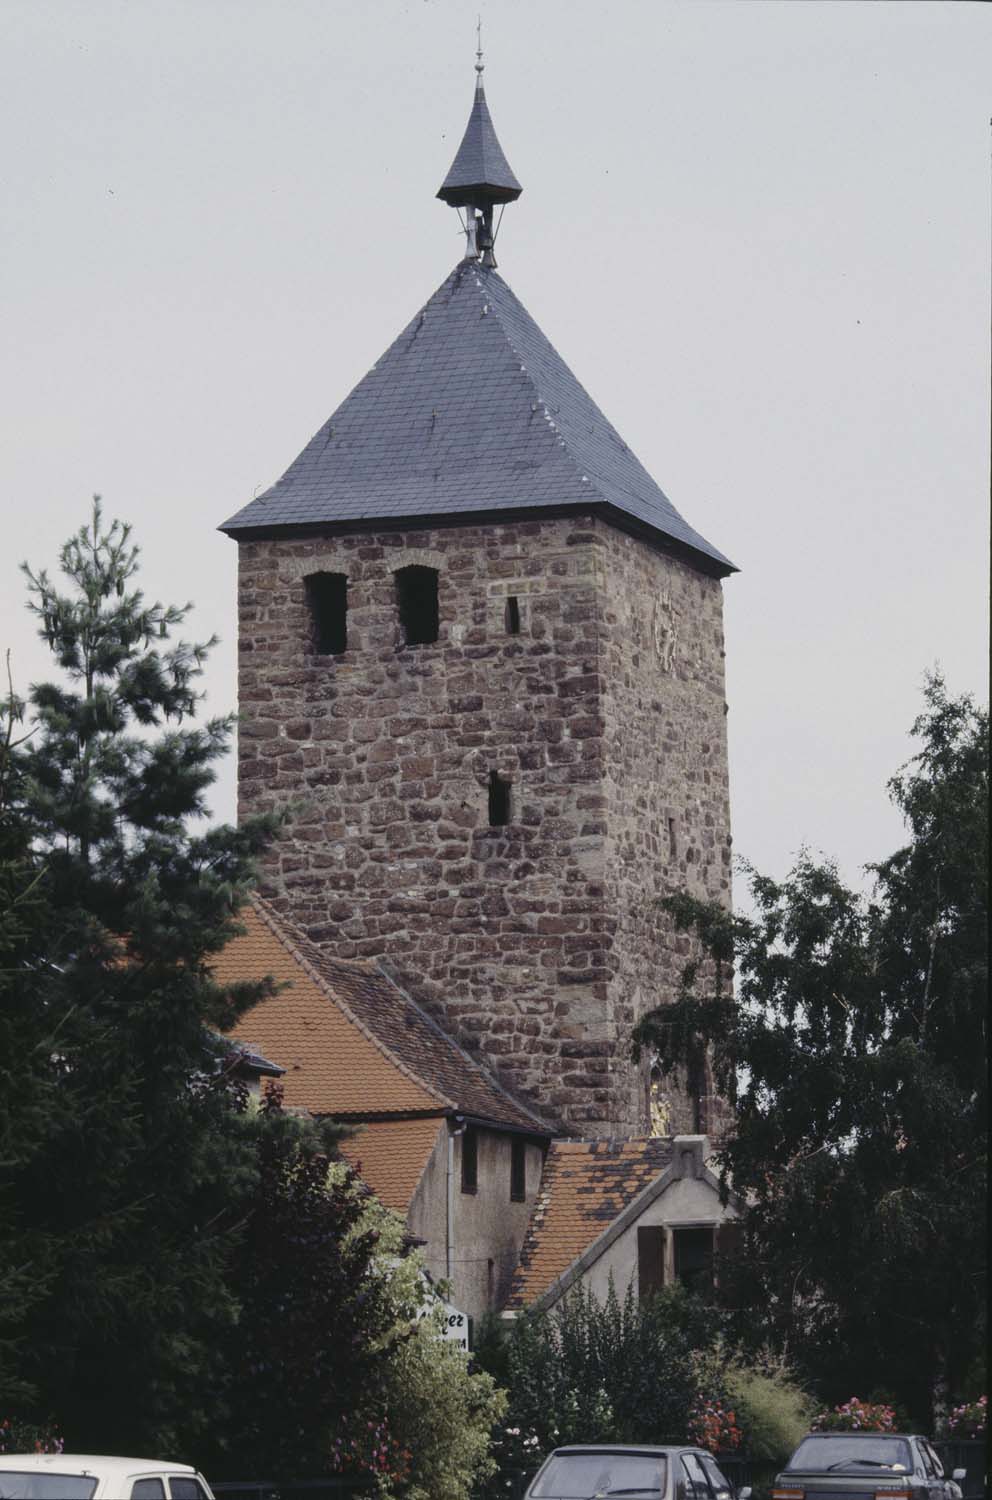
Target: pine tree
127, 1159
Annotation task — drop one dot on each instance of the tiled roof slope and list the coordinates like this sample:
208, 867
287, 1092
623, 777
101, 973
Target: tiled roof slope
471, 409
584, 1186
332, 1065
418, 1041
351, 1041
391, 1156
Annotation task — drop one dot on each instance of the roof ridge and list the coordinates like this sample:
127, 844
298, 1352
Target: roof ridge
272, 921
384, 967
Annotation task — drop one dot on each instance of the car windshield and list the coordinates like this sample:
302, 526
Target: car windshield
820, 1454
581, 1476
32, 1485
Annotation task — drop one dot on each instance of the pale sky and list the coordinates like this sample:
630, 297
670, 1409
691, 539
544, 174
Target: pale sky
758, 233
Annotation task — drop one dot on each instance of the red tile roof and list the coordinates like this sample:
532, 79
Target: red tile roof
352, 1042
584, 1186
391, 1155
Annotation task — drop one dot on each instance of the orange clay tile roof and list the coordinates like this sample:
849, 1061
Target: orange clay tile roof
352, 1043
584, 1186
391, 1155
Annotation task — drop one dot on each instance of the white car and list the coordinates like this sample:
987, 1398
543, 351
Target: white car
83, 1476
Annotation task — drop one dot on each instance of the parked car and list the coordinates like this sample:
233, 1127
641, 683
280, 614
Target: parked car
866, 1466
83, 1476
592, 1471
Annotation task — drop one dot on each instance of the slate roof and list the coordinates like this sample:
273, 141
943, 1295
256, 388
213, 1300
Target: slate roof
584, 1186
471, 410
391, 1155
480, 173
353, 1044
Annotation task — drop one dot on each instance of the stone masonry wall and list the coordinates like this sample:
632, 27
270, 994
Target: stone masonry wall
533, 943
667, 794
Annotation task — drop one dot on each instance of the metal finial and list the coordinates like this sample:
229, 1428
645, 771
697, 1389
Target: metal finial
479, 64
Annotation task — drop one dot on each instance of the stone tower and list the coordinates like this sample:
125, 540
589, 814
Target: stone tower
481, 658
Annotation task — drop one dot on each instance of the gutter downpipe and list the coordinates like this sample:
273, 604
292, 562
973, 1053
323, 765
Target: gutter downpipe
449, 1241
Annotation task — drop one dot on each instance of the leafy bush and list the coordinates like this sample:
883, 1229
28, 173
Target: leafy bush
436, 1411
773, 1409
616, 1371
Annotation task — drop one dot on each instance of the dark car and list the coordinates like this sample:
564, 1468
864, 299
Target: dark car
866, 1466
595, 1470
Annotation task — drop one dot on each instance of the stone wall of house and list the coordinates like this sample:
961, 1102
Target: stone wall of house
534, 943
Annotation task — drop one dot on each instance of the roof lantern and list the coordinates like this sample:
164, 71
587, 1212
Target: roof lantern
480, 175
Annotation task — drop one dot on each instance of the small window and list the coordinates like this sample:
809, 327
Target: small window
698, 1487
499, 800
327, 601
694, 1258
148, 1489
416, 590
650, 1260
518, 1171
718, 1480
186, 1489
512, 616
470, 1160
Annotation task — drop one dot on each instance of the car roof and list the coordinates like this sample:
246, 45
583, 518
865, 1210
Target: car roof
99, 1465
649, 1448
866, 1432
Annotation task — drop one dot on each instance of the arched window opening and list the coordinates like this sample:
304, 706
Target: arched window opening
499, 800
416, 590
327, 601
512, 616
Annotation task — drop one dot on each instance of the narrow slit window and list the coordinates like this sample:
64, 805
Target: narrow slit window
470, 1160
327, 601
512, 615
650, 1261
673, 841
499, 800
518, 1171
416, 590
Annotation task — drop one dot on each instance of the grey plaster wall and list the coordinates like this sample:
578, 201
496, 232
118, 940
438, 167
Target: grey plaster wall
488, 1227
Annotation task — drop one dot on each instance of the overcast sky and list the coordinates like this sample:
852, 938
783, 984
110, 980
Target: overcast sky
758, 233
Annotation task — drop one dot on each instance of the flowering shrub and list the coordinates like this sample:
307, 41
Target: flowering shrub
26, 1437
856, 1416
516, 1451
712, 1425
373, 1450
969, 1420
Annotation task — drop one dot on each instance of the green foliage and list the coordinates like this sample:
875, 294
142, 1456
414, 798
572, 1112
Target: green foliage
616, 1371
438, 1409
314, 1310
126, 1153
854, 1050
771, 1405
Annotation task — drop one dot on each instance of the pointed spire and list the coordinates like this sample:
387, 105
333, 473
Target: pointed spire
480, 174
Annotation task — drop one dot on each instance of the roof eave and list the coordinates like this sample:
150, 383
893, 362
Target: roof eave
715, 567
